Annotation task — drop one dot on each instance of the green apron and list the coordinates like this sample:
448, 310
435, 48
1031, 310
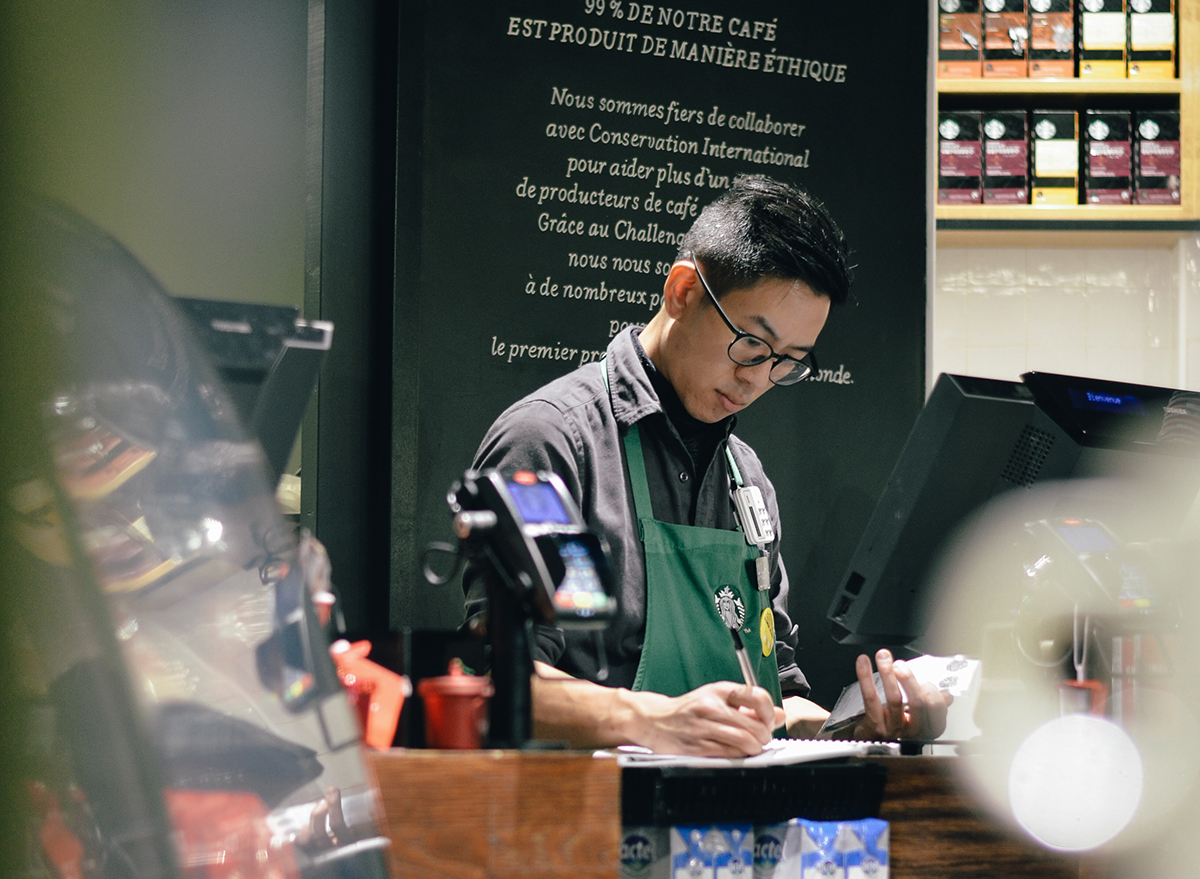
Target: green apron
694, 577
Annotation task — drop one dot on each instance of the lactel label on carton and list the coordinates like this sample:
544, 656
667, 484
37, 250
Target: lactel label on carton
645, 853
776, 852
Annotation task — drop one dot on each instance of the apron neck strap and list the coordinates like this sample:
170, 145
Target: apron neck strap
635, 461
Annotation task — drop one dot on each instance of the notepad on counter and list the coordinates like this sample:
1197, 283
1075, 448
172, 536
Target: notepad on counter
777, 752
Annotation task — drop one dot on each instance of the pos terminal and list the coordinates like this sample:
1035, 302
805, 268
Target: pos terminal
540, 564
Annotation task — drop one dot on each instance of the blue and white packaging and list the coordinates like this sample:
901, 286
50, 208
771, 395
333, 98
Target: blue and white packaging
776, 851
712, 851
851, 849
645, 852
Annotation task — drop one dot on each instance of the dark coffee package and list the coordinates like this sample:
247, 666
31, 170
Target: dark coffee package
1151, 39
960, 164
1005, 157
1051, 39
1156, 166
1055, 143
1103, 35
959, 39
1107, 157
1005, 39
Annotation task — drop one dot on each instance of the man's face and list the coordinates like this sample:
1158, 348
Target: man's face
788, 315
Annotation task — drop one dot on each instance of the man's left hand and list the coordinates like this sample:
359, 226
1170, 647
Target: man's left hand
804, 718
921, 716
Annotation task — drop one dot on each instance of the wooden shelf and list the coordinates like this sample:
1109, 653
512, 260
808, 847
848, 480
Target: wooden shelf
1089, 225
1131, 215
1073, 238
1058, 86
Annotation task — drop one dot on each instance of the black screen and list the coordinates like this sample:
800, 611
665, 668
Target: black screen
979, 438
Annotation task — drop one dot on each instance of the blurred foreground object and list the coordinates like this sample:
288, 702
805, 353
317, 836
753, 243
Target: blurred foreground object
176, 708
376, 693
1087, 702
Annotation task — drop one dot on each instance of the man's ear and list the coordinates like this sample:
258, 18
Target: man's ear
682, 288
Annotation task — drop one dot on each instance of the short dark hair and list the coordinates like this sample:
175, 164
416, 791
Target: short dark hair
762, 228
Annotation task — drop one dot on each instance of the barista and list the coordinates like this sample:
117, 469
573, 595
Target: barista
644, 443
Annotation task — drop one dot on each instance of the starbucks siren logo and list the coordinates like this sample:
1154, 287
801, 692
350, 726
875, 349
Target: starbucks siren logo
994, 129
949, 129
730, 608
1149, 129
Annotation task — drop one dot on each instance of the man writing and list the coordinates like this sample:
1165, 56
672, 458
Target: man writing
644, 443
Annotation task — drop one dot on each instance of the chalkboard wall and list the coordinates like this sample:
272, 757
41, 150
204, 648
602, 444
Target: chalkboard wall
564, 148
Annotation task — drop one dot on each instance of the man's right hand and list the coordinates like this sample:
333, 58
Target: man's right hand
722, 719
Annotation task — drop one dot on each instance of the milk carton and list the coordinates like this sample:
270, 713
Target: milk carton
850, 849
645, 852
712, 851
776, 851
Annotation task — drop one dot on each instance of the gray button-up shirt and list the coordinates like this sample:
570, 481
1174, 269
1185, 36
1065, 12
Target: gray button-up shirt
574, 427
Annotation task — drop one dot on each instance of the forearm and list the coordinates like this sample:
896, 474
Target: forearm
721, 719
804, 718
581, 713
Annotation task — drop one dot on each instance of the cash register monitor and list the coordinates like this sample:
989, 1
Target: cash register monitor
977, 438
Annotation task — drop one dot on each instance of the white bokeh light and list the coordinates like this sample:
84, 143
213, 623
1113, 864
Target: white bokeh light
1075, 782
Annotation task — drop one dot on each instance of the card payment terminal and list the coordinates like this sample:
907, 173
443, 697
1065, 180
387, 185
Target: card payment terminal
540, 564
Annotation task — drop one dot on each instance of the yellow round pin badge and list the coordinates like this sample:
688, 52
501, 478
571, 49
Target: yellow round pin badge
766, 631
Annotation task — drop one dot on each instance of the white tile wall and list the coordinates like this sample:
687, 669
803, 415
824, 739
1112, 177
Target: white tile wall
1131, 314
1188, 270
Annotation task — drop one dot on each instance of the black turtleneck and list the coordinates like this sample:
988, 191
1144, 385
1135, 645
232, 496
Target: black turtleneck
701, 440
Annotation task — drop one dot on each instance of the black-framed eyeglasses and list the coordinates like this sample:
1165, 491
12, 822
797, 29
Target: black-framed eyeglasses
747, 349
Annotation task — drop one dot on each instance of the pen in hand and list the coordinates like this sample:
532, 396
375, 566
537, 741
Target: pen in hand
743, 659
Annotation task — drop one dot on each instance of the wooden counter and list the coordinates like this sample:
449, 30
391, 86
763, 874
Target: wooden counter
502, 814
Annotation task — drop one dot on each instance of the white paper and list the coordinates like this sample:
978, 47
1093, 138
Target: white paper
1152, 30
954, 674
1104, 30
1055, 158
778, 752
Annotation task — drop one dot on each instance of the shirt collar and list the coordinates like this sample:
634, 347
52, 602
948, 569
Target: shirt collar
632, 394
